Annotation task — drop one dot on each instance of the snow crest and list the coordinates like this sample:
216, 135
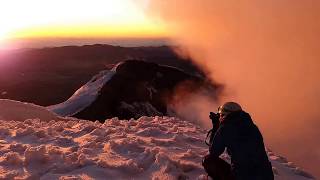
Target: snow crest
20, 111
147, 148
84, 96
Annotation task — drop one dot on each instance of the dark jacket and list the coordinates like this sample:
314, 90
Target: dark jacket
244, 143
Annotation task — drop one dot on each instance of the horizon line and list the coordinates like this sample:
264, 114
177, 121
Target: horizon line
38, 43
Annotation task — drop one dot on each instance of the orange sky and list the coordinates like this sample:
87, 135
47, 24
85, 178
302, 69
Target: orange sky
76, 18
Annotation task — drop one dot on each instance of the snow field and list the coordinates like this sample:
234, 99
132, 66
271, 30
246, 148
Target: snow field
147, 148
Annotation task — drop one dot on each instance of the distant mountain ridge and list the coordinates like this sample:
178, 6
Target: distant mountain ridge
49, 76
131, 89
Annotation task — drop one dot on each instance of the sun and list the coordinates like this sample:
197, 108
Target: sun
47, 18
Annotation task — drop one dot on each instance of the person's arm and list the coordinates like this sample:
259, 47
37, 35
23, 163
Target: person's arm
218, 144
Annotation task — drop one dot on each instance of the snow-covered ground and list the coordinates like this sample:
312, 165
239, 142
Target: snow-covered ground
147, 148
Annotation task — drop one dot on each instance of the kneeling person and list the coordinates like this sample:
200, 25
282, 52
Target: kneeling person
243, 142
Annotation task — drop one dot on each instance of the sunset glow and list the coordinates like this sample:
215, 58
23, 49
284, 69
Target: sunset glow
76, 18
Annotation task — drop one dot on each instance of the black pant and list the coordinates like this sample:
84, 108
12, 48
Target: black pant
217, 168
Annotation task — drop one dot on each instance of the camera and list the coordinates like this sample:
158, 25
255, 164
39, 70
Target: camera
214, 118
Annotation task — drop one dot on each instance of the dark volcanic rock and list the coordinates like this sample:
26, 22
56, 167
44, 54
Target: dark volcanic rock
138, 88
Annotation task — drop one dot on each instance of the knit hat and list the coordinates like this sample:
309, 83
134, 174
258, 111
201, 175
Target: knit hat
229, 107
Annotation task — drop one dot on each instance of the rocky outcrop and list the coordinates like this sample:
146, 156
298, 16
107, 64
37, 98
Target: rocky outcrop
139, 88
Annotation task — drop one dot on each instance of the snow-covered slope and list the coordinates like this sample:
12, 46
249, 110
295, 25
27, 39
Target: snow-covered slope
84, 96
147, 148
20, 111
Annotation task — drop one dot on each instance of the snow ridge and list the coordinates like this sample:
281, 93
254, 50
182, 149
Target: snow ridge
84, 96
20, 111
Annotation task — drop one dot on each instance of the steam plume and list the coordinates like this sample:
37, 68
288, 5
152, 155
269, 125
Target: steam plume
267, 55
